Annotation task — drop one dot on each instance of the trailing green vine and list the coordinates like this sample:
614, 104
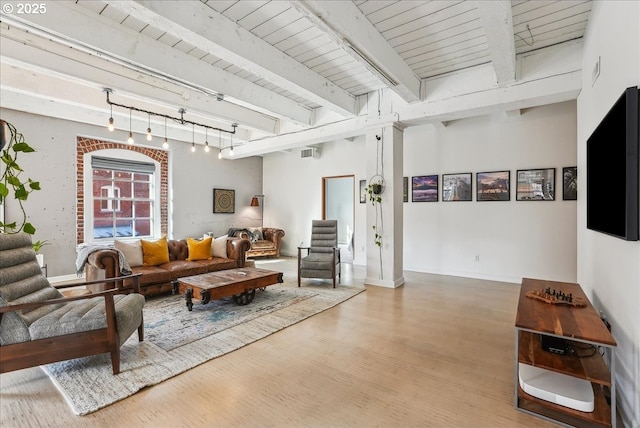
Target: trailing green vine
10, 182
374, 191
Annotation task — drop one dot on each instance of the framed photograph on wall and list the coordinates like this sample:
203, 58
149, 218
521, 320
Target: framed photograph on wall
424, 188
405, 189
224, 201
536, 184
570, 183
363, 193
456, 187
493, 186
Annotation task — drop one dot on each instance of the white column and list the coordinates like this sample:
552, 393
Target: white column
384, 158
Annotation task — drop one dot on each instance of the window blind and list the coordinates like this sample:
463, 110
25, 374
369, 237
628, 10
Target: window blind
98, 162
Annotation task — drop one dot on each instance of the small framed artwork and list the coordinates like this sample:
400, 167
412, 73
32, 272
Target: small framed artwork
456, 187
405, 189
493, 186
363, 192
536, 184
570, 183
424, 188
224, 201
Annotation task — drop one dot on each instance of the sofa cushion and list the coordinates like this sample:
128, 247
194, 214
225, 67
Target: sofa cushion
155, 253
132, 251
151, 275
179, 268
263, 245
219, 246
256, 234
218, 263
199, 250
13, 329
89, 314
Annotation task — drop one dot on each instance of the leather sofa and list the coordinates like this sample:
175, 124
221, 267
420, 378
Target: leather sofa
265, 243
163, 278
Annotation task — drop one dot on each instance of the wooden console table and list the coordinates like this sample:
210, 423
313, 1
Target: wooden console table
579, 326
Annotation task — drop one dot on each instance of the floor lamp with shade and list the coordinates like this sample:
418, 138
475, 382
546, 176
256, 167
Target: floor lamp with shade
255, 202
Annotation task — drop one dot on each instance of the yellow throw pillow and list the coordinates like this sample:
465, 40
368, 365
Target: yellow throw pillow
199, 250
155, 252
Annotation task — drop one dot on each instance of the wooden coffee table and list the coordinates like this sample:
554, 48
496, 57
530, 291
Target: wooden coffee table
240, 283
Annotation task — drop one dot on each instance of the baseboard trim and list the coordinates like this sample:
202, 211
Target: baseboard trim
385, 283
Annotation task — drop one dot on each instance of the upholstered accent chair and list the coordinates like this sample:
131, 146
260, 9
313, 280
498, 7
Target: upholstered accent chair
322, 259
38, 325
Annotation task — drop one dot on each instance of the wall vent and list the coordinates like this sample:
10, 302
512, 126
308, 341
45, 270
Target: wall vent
309, 153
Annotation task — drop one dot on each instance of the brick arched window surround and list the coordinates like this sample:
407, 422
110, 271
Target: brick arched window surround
88, 145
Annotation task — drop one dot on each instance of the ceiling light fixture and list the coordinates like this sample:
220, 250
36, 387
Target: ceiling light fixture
149, 136
193, 138
206, 140
130, 139
165, 143
111, 127
181, 120
219, 145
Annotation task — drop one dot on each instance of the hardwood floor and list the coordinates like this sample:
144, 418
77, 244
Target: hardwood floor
437, 352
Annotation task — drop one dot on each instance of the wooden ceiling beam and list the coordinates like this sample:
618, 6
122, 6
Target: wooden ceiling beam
211, 31
73, 26
497, 22
358, 37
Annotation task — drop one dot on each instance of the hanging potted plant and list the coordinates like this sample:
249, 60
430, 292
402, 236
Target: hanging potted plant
374, 191
12, 144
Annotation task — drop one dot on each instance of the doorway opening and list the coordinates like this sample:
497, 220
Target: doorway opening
338, 204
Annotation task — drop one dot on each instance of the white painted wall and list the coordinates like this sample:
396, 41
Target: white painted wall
513, 239
609, 268
293, 190
192, 179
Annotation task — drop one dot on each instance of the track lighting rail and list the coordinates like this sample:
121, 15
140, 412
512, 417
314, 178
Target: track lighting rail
181, 120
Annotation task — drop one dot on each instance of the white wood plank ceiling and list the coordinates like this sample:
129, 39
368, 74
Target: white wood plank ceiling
287, 66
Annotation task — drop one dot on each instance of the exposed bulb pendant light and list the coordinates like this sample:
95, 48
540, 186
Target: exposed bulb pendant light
193, 138
111, 127
206, 140
219, 144
181, 119
165, 143
149, 136
130, 139
231, 148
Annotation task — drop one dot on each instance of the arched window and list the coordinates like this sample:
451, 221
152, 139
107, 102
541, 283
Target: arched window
122, 189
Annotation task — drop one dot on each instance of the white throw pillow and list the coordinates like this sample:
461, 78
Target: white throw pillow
219, 246
132, 251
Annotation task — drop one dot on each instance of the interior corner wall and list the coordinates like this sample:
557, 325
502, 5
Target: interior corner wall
497, 240
608, 267
193, 176
511, 239
293, 191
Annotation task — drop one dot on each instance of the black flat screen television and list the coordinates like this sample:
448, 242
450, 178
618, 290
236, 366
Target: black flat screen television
612, 170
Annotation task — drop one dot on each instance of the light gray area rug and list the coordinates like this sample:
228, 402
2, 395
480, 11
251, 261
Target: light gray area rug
177, 340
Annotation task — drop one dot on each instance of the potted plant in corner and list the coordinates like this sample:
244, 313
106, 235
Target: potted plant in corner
37, 246
12, 144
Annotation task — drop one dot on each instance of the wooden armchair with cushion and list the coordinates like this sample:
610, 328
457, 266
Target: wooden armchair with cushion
323, 255
38, 325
